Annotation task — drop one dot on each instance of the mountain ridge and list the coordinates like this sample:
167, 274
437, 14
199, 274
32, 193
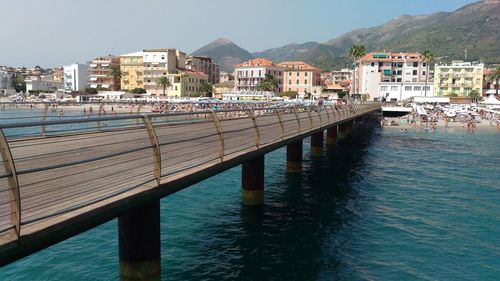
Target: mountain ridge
475, 27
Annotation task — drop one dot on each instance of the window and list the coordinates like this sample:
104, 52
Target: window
398, 80
427, 88
260, 73
289, 74
394, 88
423, 73
372, 63
415, 64
417, 88
176, 88
289, 81
425, 64
383, 88
414, 72
305, 74
298, 74
305, 81
407, 88
251, 73
297, 81
400, 72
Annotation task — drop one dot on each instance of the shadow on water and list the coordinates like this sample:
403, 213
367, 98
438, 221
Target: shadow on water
284, 239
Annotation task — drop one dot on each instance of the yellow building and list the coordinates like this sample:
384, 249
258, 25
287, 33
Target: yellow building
132, 68
458, 78
186, 83
58, 74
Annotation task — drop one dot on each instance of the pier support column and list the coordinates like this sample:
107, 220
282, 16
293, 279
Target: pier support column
294, 157
139, 243
342, 130
252, 181
317, 144
331, 135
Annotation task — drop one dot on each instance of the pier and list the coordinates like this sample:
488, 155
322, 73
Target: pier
63, 177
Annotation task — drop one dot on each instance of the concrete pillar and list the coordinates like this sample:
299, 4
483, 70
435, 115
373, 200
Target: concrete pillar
294, 157
252, 181
342, 130
331, 135
317, 144
139, 243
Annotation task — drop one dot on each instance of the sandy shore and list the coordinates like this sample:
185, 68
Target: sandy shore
439, 125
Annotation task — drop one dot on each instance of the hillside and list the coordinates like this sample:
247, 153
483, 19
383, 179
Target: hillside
225, 52
475, 27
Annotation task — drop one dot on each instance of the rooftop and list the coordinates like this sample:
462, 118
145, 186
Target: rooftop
297, 65
391, 56
256, 62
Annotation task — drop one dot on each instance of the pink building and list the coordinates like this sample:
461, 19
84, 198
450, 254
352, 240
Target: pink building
301, 77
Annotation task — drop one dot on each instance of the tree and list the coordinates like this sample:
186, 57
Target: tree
290, 94
206, 89
474, 95
164, 82
427, 57
452, 94
18, 83
269, 84
138, 91
341, 94
494, 76
91, 91
117, 75
355, 52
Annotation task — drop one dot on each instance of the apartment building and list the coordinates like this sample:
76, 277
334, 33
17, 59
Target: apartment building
489, 87
458, 78
144, 69
225, 76
204, 65
100, 74
344, 74
44, 84
186, 83
75, 77
301, 77
249, 74
389, 67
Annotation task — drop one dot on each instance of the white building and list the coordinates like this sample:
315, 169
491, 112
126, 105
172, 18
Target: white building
384, 67
75, 77
158, 63
389, 91
5, 87
47, 85
249, 74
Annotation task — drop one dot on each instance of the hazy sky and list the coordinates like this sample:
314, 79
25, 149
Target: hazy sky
57, 32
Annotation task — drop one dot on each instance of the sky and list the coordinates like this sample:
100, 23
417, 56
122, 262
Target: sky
53, 33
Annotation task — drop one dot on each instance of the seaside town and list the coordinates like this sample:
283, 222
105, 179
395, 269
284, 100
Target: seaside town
338, 140
415, 88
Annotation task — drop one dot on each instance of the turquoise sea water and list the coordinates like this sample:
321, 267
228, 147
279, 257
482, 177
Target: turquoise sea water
382, 205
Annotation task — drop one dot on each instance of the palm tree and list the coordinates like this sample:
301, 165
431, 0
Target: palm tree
474, 95
269, 84
117, 74
494, 76
427, 57
164, 82
206, 89
355, 52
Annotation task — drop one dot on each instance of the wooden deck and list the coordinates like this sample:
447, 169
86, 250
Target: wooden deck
70, 181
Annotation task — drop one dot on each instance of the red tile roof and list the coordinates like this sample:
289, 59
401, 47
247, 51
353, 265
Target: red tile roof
297, 65
392, 56
256, 62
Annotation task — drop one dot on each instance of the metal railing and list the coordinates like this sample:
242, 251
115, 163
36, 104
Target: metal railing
53, 167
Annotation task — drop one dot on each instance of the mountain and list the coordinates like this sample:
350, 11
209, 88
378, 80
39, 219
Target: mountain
475, 27
224, 52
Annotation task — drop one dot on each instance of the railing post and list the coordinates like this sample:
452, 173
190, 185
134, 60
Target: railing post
319, 115
99, 112
297, 118
218, 127
139, 107
45, 113
328, 115
156, 147
10, 170
310, 116
257, 132
282, 135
